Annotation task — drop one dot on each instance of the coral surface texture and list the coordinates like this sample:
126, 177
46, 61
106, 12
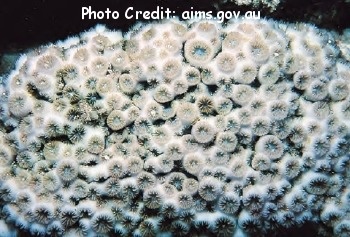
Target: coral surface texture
178, 128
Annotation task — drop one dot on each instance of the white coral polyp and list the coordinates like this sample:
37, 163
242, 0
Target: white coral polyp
192, 114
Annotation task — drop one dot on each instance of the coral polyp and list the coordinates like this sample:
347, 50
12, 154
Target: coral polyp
188, 128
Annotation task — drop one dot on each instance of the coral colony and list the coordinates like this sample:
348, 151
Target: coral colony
178, 128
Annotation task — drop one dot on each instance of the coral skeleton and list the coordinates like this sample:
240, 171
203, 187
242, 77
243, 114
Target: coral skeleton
178, 127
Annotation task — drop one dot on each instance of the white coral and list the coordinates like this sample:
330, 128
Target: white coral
228, 108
